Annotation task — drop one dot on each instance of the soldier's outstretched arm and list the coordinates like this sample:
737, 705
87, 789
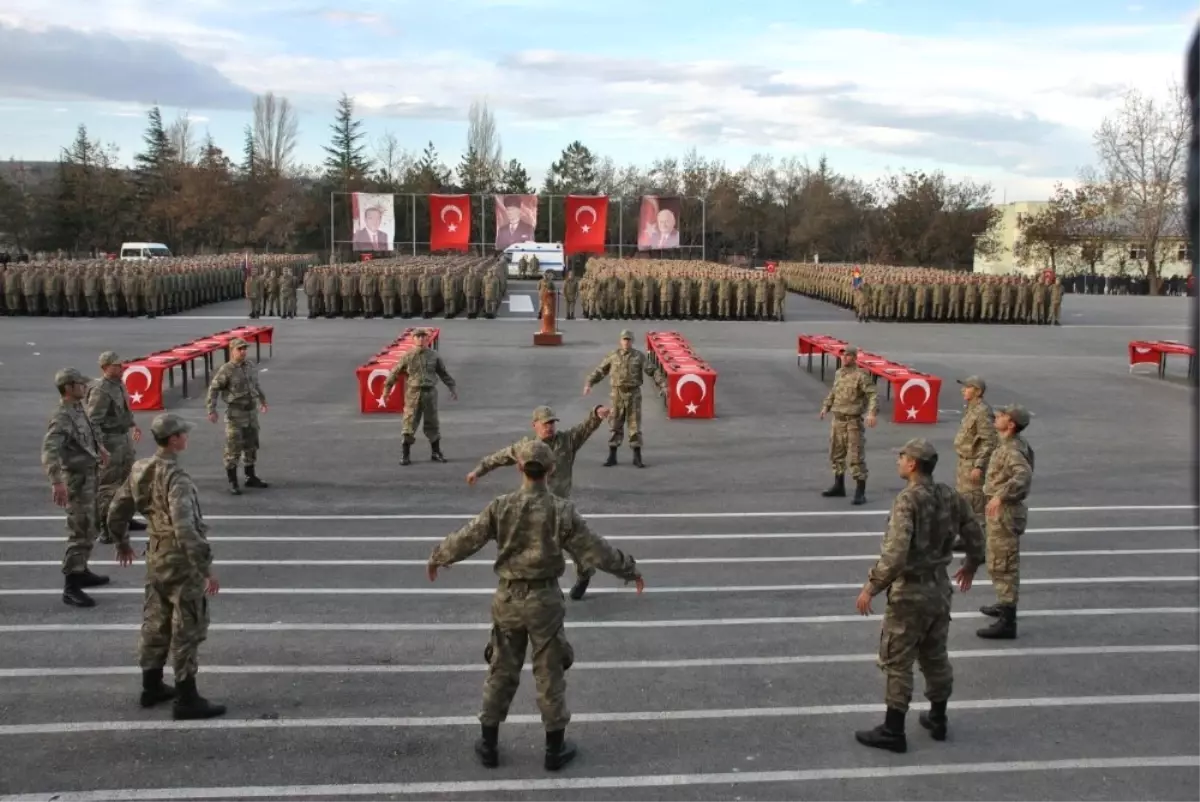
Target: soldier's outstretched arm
893, 555
579, 433
597, 375
466, 541
189, 527
394, 375
594, 551
120, 513
501, 459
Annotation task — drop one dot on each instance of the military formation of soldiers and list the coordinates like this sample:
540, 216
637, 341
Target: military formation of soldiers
408, 286
127, 288
911, 295
630, 289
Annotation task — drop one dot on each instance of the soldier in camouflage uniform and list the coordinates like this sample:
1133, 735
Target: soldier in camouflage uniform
1009, 478
627, 368
178, 570
926, 518
851, 395
973, 444
422, 367
532, 528
112, 419
236, 382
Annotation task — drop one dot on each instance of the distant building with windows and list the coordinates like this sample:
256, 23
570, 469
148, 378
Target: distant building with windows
1124, 255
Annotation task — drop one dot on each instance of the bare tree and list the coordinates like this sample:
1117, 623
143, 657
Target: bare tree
1143, 154
394, 161
182, 137
483, 143
276, 130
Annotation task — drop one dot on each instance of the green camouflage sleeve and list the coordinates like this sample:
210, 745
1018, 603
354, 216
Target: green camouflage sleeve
466, 541
219, 382
52, 450
868, 389
502, 458
120, 513
1020, 478
894, 553
593, 551
578, 435
440, 368
189, 529
599, 373
827, 404
96, 405
972, 534
394, 375
986, 437
256, 388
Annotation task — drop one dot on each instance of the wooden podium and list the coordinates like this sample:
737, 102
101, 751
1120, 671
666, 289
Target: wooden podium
549, 334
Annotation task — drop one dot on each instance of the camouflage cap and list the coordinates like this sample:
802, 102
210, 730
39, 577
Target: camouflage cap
626, 334
169, 424
535, 452
850, 351
919, 448
109, 358
421, 333
974, 381
544, 414
237, 342
67, 376
1017, 413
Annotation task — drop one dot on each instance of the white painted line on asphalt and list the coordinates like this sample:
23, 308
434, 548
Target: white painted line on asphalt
662, 623
725, 536
960, 706
300, 592
520, 303
807, 558
612, 665
619, 515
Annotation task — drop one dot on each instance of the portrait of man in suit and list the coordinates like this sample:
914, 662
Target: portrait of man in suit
513, 223
661, 230
370, 237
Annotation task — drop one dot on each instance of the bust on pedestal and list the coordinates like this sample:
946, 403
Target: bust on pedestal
549, 334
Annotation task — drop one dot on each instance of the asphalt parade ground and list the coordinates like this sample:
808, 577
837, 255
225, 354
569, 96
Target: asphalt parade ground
743, 670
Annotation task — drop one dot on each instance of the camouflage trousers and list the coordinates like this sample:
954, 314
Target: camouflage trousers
1003, 535
241, 438
81, 520
969, 489
527, 616
174, 624
120, 462
569, 302
916, 630
626, 410
847, 441
420, 407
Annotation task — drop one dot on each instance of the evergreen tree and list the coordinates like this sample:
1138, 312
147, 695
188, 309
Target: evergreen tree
515, 181
346, 163
574, 172
429, 174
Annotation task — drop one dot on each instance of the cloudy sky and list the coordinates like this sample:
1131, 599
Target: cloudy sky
1004, 92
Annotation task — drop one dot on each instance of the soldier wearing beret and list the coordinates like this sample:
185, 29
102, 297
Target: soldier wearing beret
532, 529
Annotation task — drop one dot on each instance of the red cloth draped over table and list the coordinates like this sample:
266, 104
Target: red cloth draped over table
371, 375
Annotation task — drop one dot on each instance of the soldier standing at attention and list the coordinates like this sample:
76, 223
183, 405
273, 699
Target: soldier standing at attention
852, 390
237, 383
925, 520
973, 444
570, 293
108, 410
422, 367
564, 445
72, 453
532, 528
627, 367
178, 569
1009, 478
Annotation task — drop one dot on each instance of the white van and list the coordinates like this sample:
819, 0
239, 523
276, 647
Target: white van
550, 256
140, 251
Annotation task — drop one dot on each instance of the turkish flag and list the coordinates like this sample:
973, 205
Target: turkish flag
916, 397
449, 222
143, 385
587, 223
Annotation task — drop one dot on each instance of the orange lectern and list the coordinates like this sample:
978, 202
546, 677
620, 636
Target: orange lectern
549, 334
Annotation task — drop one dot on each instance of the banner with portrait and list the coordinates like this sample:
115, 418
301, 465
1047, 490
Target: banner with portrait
516, 219
374, 221
658, 223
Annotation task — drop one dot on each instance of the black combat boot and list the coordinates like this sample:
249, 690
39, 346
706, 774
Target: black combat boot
935, 721
73, 593
231, 475
960, 545
1004, 627
487, 747
435, 454
190, 705
154, 690
612, 457
860, 492
89, 580
637, 458
838, 490
405, 454
889, 735
580, 587
559, 751
992, 610
136, 526
252, 479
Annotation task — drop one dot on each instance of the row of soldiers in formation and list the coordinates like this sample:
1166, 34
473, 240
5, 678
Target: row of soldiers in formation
675, 289
407, 286
908, 295
112, 288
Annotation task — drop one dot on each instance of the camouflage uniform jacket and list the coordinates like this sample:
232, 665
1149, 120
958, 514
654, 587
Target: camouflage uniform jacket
976, 437
532, 529
71, 444
162, 491
564, 445
627, 369
1010, 471
108, 407
422, 367
238, 387
851, 388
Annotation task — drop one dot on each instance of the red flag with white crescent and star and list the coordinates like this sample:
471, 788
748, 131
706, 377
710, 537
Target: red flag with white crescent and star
449, 222
587, 223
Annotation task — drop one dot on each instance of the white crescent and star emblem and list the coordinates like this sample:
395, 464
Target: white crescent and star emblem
137, 370
457, 211
1143, 350
691, 378
924, 385
586, 228
377, 374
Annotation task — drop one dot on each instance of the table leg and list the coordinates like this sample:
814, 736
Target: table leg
183, 372
257, 349
170, 377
